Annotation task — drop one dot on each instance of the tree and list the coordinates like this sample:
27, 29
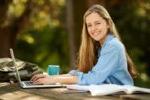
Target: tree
11, 26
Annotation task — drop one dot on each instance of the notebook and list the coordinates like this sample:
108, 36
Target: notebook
29, 84
109, 89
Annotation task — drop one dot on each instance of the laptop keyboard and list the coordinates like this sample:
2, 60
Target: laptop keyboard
28, 83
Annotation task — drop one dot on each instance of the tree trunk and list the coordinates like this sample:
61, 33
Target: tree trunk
8, 33
5, 34
7, 40
71, 32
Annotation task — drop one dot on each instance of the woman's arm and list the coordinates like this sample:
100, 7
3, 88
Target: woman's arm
44, 79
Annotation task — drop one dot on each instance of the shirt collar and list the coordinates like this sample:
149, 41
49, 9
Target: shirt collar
108, 38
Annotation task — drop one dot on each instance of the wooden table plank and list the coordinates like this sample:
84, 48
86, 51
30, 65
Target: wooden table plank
14, 92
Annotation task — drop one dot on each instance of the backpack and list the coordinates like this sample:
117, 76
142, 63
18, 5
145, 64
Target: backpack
25, 69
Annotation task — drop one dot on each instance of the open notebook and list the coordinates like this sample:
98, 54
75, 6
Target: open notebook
28, 84
108, 89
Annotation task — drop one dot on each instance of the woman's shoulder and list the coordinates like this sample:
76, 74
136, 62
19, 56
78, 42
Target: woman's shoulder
115, 43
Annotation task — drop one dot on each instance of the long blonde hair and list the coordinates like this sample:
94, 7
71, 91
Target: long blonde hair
87, 57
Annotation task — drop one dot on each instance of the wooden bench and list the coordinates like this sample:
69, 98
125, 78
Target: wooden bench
14, 92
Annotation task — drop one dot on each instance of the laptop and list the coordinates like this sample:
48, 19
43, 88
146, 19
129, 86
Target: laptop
29, 84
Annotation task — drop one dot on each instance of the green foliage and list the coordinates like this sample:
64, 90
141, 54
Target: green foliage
48, 46
43, 40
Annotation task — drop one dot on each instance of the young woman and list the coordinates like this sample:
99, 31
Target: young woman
102, 57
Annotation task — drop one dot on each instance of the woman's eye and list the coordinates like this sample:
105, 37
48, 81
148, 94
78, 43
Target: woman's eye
98, 23
89, 25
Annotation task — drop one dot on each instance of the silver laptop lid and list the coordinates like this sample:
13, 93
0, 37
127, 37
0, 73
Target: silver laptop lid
14, 62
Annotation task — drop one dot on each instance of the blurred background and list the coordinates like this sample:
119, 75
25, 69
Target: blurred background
48, 31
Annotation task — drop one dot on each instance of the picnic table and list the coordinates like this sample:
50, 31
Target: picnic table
14, 92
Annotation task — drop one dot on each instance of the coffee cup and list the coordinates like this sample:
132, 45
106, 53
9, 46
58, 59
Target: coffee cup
53, 69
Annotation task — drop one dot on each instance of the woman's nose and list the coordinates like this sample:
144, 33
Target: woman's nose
93, 28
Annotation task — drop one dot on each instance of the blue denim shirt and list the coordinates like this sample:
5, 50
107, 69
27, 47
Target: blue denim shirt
111, 67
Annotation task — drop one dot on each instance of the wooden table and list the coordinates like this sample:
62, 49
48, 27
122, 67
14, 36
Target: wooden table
14, 92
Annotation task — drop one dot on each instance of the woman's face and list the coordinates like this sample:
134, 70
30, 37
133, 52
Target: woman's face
97, 27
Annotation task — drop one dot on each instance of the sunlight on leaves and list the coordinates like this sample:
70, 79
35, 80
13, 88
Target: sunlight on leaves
17, 8
39, 2
19, 1
58, 2
144, 77
40, 19
141, 11
55, 23
28, 38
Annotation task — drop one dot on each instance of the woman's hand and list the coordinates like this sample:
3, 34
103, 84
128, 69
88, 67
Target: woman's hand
45, 79
40, 79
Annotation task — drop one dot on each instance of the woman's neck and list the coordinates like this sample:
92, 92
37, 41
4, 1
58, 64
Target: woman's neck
102, 41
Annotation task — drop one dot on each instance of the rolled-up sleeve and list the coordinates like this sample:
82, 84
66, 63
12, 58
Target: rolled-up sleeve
107, 62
